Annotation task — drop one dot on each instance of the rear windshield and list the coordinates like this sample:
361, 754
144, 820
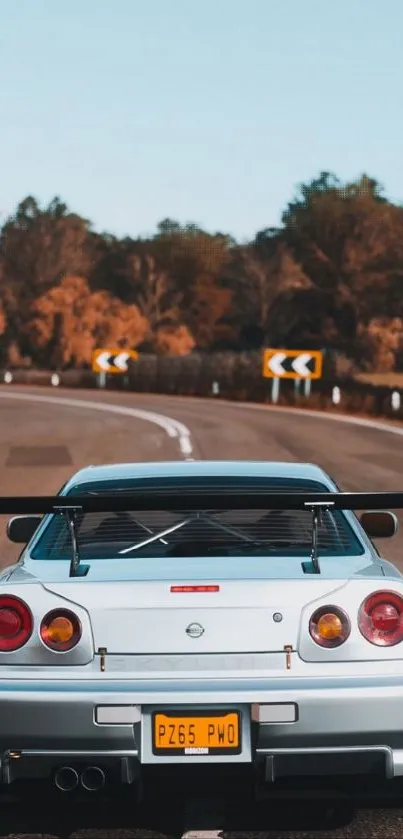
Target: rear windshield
202, 532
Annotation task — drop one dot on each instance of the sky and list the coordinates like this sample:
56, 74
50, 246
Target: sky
204, 111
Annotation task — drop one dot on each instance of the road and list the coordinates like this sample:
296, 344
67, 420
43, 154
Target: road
45, 435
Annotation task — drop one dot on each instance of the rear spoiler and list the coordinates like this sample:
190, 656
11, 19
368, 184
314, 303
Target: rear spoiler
194, 500
188, 500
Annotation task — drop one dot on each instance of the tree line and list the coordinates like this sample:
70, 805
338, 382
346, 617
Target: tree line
329, 277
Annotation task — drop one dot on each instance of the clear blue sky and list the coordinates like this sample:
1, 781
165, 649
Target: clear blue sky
209, 111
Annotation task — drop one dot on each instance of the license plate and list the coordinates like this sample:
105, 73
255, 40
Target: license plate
191, 733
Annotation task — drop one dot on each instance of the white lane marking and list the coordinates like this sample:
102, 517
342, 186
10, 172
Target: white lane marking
376, 425
172, 427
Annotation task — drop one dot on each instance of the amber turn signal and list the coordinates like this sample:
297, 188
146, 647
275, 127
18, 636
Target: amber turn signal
60, 630
329, 626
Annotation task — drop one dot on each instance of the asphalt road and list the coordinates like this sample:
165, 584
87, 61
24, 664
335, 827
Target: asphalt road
45, 435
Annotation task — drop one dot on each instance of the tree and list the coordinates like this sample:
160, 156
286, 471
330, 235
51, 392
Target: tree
69, 321
348, 240
195, 260
38, 248
156, 297
331, 275
207, 311
173, 340
259, 281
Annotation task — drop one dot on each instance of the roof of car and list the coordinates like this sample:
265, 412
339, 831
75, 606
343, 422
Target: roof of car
201, 468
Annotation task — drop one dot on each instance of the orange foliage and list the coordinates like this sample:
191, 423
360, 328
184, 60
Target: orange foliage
210, 304
385, 338
174, 340
69, 322
3, 319
330, 276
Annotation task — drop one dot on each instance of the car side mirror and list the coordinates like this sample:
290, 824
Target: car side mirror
20, 529
379, 524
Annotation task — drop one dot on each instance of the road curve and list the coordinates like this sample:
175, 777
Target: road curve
46, 434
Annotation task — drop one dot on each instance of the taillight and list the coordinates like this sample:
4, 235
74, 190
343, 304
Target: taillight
380, 618
329, 626
16, 623
60, 630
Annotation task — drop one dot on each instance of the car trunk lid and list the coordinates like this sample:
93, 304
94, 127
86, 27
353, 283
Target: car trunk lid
244, 615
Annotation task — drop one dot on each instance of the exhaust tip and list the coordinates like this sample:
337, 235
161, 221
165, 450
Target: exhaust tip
92, 778
66, 778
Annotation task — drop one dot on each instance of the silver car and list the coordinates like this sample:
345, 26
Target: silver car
225, 615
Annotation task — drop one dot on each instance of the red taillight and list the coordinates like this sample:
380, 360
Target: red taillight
60, 630
329, 626
380, 618
16, 623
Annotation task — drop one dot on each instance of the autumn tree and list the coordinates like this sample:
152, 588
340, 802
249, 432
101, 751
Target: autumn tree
330, 276
173, 340
69, 321
195, 261
38, 247
155, 293
208, 311
347, 238
259, 280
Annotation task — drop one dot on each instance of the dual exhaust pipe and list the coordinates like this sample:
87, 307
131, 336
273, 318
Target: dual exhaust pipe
91, 779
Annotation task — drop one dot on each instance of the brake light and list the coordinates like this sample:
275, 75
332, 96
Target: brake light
60, 630
380, 618
329, 626
16, 623
190, 589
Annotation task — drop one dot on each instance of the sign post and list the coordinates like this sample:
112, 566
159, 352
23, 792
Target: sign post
275, 390
300, 365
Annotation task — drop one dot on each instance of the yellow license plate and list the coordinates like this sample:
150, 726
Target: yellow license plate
192, 734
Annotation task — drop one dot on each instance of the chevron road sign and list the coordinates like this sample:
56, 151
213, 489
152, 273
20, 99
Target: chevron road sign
292, 364
112, 360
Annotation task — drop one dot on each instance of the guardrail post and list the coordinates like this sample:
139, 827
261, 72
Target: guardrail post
336, 395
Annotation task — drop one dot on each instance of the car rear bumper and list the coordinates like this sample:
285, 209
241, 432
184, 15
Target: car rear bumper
291, 726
